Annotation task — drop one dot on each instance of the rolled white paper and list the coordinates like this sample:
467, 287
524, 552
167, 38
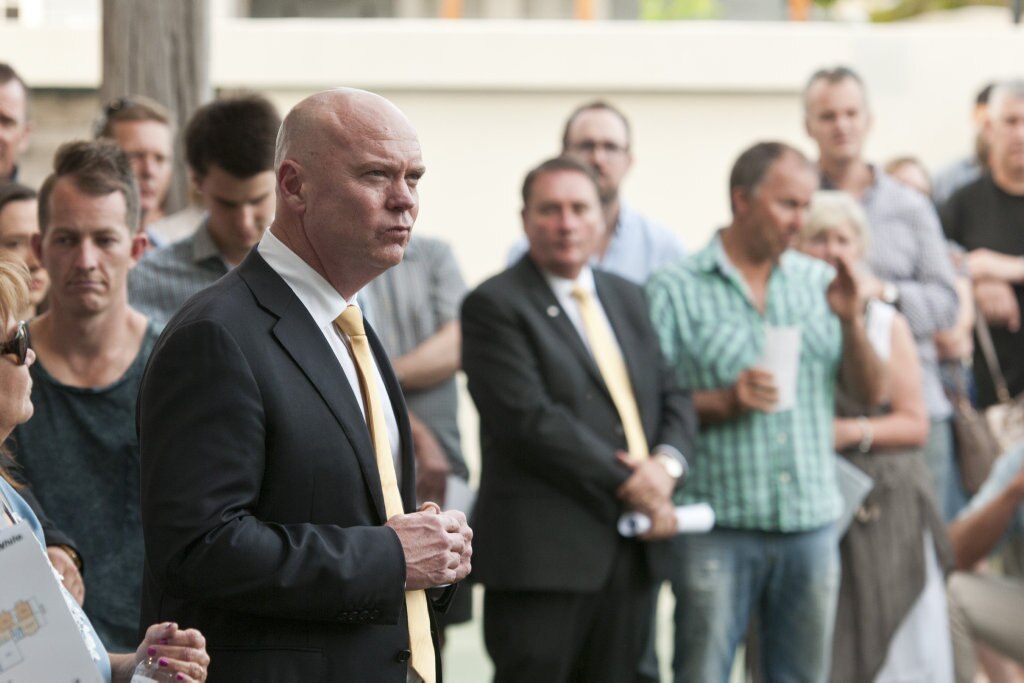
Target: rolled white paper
690, 519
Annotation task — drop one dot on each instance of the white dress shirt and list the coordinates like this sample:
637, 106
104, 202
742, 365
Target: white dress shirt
325, 304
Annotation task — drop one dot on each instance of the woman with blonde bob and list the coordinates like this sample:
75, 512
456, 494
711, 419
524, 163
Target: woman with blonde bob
891, 623
180, 652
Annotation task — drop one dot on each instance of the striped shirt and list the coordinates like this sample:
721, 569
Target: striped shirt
763, 471
165, 278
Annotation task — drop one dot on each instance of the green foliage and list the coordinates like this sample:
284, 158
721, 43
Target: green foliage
905, 9
667, 10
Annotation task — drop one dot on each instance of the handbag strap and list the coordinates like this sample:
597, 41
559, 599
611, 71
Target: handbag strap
988, 350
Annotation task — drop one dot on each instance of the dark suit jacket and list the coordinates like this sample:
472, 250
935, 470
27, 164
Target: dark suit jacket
546, 512
261, 502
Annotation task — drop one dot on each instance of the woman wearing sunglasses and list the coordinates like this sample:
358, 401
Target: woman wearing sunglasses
180, 652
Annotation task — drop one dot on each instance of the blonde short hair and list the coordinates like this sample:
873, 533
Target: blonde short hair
832, 208
14, 279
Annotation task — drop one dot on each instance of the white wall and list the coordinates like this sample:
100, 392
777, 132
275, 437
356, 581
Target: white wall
489, 98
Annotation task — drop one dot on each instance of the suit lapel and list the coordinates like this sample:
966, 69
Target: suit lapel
305, 343
546, 303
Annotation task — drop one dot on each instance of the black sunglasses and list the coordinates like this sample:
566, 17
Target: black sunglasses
18, 344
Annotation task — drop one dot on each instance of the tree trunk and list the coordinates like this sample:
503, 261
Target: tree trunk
160, 49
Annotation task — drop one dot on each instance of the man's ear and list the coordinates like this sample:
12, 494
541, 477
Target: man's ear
740, 200
195, 179
290, 186
140, 243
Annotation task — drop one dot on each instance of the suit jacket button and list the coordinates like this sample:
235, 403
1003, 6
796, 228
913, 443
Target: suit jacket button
403, 656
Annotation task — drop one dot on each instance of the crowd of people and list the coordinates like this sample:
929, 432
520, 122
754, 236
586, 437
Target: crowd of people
233, 429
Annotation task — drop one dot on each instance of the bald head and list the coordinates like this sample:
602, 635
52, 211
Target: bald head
339, 113
348, 166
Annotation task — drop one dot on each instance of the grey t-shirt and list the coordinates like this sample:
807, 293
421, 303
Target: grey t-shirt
406, 305
81, 454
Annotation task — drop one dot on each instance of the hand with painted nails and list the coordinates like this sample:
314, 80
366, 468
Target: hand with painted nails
172, 653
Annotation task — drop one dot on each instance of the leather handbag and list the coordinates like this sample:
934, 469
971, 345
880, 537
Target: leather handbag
1005, 418
976, 446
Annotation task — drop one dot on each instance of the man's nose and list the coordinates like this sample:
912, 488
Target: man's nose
799, 218
148, 167
401, 197
568, 219
246, 216
30, 259
86, 257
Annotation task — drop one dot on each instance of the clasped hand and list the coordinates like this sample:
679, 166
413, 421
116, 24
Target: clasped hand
437, 546
649, 490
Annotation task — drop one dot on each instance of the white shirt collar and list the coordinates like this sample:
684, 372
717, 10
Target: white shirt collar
323, 301
562, 287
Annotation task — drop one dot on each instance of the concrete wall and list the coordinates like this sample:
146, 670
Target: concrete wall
489, 98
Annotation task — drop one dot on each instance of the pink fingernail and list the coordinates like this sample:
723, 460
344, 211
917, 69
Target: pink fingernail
163, 641
151, 651
163, 662
179, 677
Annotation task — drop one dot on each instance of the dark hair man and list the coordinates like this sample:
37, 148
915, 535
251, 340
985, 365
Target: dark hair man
768, 470
631, 245
144, 129
79, 451
229, 146
910, 264
14, 122
579, 420
984, 217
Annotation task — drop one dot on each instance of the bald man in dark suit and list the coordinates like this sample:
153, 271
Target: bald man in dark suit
277, 466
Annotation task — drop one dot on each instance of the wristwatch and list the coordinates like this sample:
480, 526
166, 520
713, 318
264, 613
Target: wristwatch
673, 467
890, 294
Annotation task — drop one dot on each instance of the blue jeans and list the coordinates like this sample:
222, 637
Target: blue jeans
790, 579
940, 456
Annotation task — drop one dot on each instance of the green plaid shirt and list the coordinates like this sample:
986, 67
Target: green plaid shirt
766, 471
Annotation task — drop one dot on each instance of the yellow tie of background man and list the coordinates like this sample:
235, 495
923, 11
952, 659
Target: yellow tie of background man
350, 322
613, 370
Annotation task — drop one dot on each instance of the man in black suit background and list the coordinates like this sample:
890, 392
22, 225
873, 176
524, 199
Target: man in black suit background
273, 515
573, 393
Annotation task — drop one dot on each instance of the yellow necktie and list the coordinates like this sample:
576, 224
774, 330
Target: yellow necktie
350, 322
613, 370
